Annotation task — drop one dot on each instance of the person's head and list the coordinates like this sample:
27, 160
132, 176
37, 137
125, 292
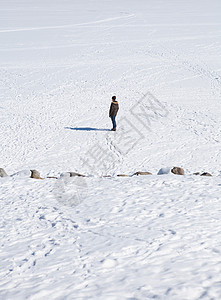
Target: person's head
113, 98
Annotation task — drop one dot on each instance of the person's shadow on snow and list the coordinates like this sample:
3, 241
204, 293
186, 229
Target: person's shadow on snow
87, 129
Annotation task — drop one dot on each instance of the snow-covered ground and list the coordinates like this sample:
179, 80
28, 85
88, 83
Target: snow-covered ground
140, 237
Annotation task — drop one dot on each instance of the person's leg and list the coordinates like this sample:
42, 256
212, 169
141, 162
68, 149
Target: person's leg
113, 121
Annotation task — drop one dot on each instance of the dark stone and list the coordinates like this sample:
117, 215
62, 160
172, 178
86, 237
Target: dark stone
142, 173
205, 174
35, 174
73, 174
3, 173
177, 171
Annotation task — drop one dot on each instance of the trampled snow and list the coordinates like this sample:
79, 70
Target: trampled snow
97, 237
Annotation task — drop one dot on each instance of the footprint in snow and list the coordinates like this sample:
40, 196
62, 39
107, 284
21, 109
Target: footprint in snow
108, 263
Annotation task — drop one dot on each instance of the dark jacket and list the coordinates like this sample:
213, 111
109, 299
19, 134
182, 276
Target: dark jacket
113, 109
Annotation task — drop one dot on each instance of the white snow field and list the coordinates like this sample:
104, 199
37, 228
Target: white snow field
110, 238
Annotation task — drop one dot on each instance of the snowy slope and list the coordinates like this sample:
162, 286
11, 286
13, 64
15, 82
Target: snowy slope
110, 238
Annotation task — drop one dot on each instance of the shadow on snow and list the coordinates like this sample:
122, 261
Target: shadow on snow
87, 129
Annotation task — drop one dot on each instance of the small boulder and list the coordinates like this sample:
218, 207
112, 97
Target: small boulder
3, 173
123, 175
177, 171
164, 171
205, 174
197, 173
35, 174
73, 174
142, 173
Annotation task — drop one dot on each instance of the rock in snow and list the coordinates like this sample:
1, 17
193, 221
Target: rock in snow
3, 173
164, 171
142, 173
205, 174
35, 174
177, 171
72, 174
196, 173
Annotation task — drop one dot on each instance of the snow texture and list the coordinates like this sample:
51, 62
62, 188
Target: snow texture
96, 237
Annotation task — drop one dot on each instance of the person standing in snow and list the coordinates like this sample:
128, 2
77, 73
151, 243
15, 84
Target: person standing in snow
113, 112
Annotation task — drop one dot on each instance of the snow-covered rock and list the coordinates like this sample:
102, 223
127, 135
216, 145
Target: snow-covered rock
165, 170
